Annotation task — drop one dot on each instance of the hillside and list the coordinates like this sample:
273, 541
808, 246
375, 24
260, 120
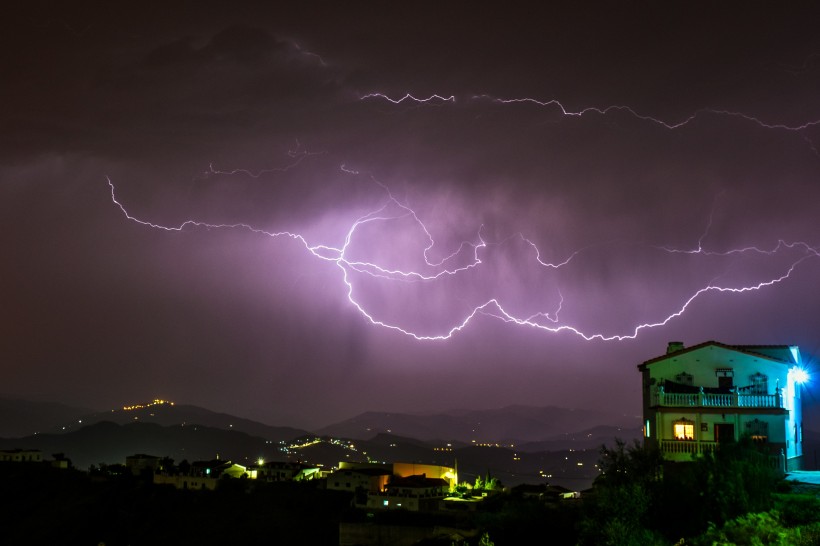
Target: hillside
20, 418
111, 443
24, 417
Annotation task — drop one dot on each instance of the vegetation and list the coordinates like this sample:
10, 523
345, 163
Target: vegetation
622, 508
481, 487
725, 498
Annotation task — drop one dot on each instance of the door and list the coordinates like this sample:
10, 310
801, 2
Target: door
724, 432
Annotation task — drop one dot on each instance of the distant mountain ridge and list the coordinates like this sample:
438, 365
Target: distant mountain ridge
24, 417
515, 424
511, 424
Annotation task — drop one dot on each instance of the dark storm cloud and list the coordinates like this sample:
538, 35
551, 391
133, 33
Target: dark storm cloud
253, 115
104, 94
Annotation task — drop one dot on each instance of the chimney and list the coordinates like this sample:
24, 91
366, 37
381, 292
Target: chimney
674, 347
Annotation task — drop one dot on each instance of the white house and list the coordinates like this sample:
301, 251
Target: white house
697, 397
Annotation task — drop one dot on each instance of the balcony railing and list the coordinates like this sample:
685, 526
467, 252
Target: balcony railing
709, 400
774, 458
687, 446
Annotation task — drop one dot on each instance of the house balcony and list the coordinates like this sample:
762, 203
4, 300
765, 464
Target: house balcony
687, 447
687, 450
712, 400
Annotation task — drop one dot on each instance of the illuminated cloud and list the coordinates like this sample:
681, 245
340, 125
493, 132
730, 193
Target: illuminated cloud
518, 187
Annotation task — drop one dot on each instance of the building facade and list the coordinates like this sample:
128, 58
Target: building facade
389, 486
698, 397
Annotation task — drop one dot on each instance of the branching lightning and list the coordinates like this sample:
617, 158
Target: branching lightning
471, 255
545, 321
296, 155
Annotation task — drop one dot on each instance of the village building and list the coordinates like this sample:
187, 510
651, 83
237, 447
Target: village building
408, 486
204, 474
286, 471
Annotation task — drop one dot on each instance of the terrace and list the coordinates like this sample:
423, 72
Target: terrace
716, 400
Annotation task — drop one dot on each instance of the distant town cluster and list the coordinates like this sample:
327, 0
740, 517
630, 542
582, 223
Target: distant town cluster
155, 402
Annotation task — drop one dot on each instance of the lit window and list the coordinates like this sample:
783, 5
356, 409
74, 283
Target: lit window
684, 430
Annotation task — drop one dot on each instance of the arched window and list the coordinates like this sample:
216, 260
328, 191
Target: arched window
759, 384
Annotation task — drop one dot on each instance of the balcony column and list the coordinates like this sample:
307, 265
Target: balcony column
697, 433
660, 434
702, 396
737, 427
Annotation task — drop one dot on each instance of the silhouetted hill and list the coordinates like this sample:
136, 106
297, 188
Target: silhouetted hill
507, 425
110, 443
183, 414
24, 417
389, 447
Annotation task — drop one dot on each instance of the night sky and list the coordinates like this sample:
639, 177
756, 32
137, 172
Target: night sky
564, 191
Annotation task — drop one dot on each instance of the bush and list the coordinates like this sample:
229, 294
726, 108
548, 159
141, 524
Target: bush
808, 535
760, 529
799, 509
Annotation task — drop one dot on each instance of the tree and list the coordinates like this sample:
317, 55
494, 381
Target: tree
717, 487
485, 540
736, 479
625, 494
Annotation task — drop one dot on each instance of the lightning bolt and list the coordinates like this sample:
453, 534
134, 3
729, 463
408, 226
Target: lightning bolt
393, 209
603, 111
432, 99
297, 155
